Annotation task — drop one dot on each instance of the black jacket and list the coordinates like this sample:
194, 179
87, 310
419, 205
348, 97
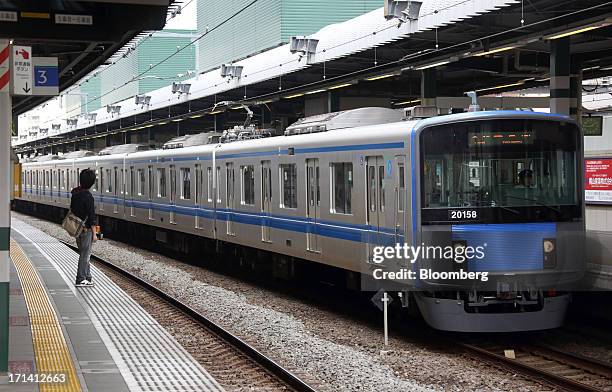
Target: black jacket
82, 205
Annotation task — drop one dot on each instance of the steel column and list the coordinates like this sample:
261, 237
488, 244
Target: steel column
560, 76
428, 87
5, 222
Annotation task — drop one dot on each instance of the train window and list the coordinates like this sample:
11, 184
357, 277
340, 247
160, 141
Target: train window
132, 181
161, 182
141, 182
102, 179
62, 179
198, 185
109, 181
151, 186
402, 187
288, 174
210, 184
342, 185
186, 188
123, 181
381, 188
116, 181
372, 187
248, 185
98, 179
217, 184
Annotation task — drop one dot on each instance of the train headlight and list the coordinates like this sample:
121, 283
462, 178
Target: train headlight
549, 246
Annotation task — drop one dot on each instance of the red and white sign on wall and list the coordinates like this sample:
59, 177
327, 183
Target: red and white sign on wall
5, 72
598, 180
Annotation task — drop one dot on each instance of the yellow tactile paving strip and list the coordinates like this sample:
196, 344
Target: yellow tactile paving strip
50, 348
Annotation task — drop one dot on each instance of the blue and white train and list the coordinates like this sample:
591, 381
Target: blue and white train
337, 186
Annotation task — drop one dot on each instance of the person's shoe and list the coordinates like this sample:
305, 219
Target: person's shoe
84, 283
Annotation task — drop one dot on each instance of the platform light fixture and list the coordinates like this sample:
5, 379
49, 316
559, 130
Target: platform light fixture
432, 65
216, 112
379, 77
493, 51
162, 123
231, 71
294, 96
142, 100
91, 117
181, 88
316, 91
604, 23
340, 86
177, 119
196, 116
113, 109
407, 102
520, 83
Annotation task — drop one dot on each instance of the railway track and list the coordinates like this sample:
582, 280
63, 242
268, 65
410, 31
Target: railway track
565, 370
233, 361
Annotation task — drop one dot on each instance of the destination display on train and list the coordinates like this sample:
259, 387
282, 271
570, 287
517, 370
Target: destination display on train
598, 180
500, 138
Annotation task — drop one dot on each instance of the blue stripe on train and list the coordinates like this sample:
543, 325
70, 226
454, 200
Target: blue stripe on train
333, 229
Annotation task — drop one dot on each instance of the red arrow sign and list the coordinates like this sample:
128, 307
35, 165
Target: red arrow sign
24, 54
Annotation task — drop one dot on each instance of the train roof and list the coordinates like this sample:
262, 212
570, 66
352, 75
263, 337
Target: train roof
359, 135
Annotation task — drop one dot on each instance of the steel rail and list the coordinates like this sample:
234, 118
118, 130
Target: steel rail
579, 363
267, 363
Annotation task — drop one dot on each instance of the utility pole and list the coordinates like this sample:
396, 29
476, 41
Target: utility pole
5, 199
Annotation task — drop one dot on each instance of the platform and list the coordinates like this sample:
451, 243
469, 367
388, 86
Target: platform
95, 338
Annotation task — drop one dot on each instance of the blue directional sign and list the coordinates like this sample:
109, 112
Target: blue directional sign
46, 76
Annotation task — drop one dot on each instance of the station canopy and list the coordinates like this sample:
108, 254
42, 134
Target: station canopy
488, 46
80, 44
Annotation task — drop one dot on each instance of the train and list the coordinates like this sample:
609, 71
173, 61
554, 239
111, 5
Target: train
338, 189
15, 192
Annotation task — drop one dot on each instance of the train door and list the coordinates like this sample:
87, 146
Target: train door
313, 197
400, 198
151, 191
230, 186
375, 175
266, 199
116, 181
172, 192
199, 182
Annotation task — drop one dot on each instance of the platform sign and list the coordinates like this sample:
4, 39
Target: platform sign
598, 180
46, 76
21, 65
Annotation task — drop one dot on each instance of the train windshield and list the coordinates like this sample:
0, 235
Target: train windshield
517, 167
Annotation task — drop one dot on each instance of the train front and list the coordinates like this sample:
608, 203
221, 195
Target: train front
501, 220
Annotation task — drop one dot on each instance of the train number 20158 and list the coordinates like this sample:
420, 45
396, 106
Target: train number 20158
462, 214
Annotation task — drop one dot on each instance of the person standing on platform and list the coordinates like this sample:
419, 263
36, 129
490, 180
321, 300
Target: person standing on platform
82, 205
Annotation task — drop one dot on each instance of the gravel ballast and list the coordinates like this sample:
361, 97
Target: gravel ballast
335, 350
